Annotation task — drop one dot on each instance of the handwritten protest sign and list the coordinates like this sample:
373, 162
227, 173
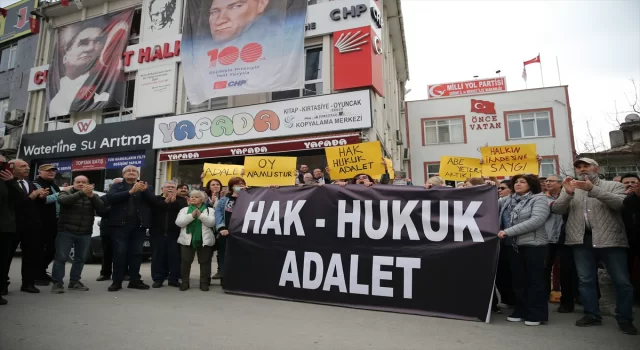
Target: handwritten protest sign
222, 172
509, 160
459, 168
392, 173
345, 162
267, 171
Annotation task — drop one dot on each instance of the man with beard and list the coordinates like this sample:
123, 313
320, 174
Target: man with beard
595, 230
10, 194
48, 210
28, 226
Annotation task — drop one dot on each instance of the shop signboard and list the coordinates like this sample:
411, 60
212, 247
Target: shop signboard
110, 138
311, 115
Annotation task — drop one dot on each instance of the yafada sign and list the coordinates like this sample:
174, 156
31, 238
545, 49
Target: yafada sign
379, 248
86, 138
312, 115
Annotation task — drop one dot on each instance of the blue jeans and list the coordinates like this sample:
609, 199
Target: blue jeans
127, 248
165, 262
64, 242
615, 260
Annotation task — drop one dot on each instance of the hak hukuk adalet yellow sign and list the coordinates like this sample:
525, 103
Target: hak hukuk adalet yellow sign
459, 168
509, 160
266, 171
345, 162
221, 172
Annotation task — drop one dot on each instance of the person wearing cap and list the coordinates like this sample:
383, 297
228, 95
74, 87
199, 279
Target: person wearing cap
595, 230
48, 209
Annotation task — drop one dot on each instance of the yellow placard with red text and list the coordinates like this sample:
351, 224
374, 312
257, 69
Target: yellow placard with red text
221, 172
347, 161
263, 171
459, 168
509, 160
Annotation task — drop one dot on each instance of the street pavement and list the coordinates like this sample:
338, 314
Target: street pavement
166, 318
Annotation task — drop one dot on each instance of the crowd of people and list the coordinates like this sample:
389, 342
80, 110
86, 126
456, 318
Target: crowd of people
553, 226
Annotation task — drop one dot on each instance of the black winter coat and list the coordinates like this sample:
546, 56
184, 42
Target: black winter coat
164, 217
631, 218
78, 212
118, 197
10, 194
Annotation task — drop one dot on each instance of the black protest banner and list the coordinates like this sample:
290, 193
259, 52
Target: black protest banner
393, 248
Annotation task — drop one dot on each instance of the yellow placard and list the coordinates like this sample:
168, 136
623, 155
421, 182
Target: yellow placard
509, 160
345, 162
392, 173
459, 168
267, 171
221, 172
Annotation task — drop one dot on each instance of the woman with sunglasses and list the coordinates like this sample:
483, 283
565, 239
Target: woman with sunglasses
503, 189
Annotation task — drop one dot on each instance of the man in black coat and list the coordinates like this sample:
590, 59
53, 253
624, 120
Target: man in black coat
129, 217
78, 208
165, 263
105, 239
27, 228
631, 218
10, 194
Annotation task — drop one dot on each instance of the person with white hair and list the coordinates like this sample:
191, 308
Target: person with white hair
196, 224
129, 217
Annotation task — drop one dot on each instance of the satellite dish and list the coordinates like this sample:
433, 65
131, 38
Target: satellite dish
632, 118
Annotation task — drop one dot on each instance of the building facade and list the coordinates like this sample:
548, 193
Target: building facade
461, 125
18, 43
363, 88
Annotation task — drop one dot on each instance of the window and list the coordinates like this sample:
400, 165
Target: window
530, 124
548, 167
134, 31
58, 123
312, 77
444, 131
8, 57
123, 112
208, 105
432, 170
4, 107
619, 170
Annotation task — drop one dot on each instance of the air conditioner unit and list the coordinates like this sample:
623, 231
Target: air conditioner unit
14, 117
10, 143
399, 137
405, 154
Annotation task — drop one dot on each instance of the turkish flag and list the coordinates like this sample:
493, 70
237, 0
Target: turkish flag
34, 24
3, 12
64, 2
533, 60
484, 107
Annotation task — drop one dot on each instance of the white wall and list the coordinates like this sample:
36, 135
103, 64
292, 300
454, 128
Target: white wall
555, 98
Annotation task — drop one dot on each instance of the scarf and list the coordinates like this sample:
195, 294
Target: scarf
514, 205
195, 227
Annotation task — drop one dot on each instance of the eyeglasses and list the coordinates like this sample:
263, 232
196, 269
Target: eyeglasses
502, 188
552, 181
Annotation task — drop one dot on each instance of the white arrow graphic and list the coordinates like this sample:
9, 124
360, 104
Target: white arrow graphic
350, 42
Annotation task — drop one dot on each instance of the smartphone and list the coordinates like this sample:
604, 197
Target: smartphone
6, 166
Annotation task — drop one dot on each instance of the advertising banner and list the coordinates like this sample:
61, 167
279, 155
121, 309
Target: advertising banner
160, 18
87, 70
391, 248
155, 91
311, 115
119, 162
16, 21
242, 47
471, 87
92, 163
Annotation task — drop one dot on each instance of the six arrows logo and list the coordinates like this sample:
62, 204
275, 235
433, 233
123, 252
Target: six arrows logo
351, 42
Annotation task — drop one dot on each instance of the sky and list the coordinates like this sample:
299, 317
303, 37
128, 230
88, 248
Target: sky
597, 43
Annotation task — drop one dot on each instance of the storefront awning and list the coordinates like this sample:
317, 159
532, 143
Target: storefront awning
271, 146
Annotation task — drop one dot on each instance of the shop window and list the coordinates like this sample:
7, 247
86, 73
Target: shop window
8, 57
530, 124
123, 112
134, 32
312, 77
443, 131
58, 123
208, 105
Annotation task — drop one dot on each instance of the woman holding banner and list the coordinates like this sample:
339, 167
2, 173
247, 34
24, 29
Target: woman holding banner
522, 218
213, 189
223, 212
360, 179
196, 237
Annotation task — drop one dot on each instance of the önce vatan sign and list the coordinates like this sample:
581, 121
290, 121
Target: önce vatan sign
509, 160
267, 171
459, 168
345, 162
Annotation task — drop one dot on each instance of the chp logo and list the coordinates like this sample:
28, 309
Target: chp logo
223, 84
84, 126
349, 42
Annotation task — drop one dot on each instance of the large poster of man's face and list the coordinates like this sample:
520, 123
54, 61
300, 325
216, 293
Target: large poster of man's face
236, 47
87, 72
160, 18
